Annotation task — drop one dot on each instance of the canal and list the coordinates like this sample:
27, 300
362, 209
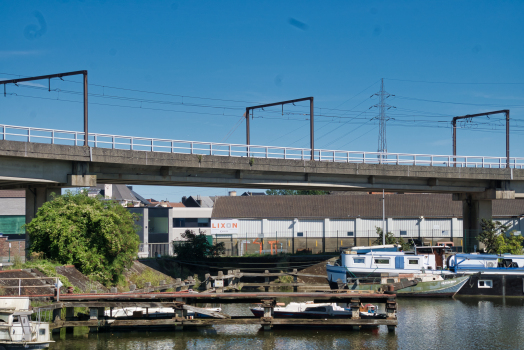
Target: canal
423, 324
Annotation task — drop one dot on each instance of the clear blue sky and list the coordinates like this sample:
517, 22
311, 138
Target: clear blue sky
231, 54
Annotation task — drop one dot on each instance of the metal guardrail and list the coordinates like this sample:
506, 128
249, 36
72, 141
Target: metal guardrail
76, 138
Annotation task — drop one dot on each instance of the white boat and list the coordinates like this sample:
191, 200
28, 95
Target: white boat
156, 312
17, 331
421, 273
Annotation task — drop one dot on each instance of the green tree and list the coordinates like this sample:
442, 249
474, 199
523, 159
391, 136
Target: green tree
197, 247
497, 240
98, 237
295, 192
390, 239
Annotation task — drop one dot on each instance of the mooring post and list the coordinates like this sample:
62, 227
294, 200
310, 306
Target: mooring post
266, 288
70, 316
178, 284
391, 312
57, 316
355, 312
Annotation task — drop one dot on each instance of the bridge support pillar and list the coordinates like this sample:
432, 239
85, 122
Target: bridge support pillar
35, 197
473, 211
475, 207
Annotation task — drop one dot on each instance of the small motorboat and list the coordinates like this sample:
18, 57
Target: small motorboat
316, 310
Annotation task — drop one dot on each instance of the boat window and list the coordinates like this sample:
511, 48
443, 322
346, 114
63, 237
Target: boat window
390, 280
381, 261
16, 319
413, 261
41, 331
359, 260
320, 309
485, 284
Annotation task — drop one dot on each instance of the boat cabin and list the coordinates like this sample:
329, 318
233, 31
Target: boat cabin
409, 263
483, 262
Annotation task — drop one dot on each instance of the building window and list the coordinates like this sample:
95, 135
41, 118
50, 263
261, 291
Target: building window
191, 222
403, 233
382, 261
413, 261
204, 222
445, 233
485, 284
351, 234
300, 234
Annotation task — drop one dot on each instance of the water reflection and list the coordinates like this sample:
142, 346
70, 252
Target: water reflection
424, 324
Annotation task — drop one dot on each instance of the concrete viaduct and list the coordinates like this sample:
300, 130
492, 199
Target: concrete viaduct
43, 169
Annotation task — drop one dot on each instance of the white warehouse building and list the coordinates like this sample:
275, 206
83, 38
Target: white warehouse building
326, 223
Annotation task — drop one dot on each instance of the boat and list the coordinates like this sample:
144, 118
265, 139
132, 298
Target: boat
17, 330
157, 312
311, 310
490, 274
420, 273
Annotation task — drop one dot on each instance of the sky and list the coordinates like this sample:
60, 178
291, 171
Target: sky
186, 70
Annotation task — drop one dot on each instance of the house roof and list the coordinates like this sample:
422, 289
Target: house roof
12, 193
365, 206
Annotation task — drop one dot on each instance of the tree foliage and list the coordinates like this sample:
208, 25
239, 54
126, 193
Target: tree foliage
98, 237
295, 192
390, 239
197, 247
497, 240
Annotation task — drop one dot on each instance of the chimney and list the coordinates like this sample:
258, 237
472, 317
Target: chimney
232, 193
184, 199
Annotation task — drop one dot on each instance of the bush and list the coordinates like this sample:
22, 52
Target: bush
197, 247
495, 237
98, 237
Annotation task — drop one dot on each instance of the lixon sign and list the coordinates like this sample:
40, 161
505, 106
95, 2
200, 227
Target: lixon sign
224, 226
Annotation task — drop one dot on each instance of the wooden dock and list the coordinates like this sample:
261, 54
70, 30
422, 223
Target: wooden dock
182, 302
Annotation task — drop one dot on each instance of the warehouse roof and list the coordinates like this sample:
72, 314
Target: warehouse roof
364, 206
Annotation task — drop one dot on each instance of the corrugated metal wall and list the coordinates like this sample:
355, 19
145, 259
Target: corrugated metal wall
284, 227
342, 226
410, 226
311, 228
253, 227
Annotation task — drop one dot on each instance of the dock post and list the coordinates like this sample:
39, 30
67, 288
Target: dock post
355, 311
57, 316
181, 314
178, 284
295, 280
93, 315
219, 282
268, 306
266, 288
70, 316
207, 279
391, 312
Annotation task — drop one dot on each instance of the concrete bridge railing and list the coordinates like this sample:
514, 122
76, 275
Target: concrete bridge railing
76, 138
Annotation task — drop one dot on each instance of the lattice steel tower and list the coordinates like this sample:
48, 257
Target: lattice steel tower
382, 107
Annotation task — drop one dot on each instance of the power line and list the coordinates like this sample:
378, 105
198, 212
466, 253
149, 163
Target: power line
451, 83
